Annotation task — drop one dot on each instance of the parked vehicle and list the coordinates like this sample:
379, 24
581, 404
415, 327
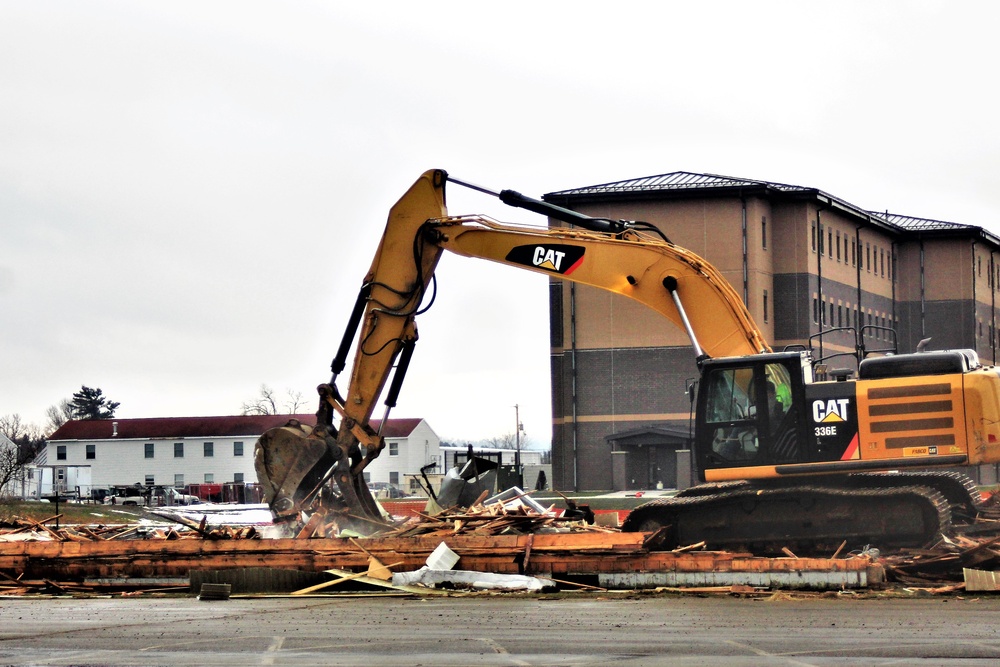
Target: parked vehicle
175, 497
127, 495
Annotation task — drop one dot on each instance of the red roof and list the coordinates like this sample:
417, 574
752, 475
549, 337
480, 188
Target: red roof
199, 427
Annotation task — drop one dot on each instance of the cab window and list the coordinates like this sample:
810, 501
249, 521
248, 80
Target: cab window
730, 415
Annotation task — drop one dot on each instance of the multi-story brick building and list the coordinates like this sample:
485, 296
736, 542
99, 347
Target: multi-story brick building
804, 261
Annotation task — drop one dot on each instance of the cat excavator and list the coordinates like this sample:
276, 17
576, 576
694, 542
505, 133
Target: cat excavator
787, 459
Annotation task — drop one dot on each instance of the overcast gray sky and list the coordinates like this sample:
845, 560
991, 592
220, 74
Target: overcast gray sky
191, 192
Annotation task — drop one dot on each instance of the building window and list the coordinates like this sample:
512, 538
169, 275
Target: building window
237, 449
765, 306
840, 315
763, 232
868, 257
179, 480
831, 314
829, 242
812, 230
815, 310
150, 480
854, 258
91, 451
150, 449
238, 477
60, 452
394, 478
178, 450
209, 478
838, 245
393, 449
209, 449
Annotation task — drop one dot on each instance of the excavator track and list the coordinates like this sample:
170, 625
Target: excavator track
806, 519
958, 489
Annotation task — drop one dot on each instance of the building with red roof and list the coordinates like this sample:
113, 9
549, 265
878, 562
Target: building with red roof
180, 451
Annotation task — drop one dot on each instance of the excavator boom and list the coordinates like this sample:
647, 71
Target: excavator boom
295, 463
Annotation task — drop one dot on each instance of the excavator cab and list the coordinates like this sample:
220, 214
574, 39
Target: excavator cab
751, 414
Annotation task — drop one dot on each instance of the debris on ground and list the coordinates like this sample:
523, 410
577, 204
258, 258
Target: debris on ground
480, 581
504, 537
944, 562
18, 529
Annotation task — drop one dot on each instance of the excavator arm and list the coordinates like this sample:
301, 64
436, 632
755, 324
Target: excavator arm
296, 463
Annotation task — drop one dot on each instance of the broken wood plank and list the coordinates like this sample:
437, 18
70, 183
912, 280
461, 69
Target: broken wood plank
415, 590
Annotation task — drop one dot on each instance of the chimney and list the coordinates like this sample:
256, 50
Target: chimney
114, 429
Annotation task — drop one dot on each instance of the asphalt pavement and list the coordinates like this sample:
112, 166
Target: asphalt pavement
563, 630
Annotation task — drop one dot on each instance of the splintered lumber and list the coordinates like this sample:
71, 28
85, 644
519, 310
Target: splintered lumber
406, 588
343, 576
556, 555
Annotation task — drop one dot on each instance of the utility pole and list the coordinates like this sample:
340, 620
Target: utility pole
517, 437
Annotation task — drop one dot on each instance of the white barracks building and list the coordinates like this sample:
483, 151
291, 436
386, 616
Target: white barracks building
177, 451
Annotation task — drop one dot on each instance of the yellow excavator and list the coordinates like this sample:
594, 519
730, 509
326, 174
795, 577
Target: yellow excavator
787, 460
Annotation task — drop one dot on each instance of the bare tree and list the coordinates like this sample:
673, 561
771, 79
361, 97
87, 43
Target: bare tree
294, 401
507, 441
27, 437
266, 403
13, 426
263, 404
14, 455
11, 466
59, 414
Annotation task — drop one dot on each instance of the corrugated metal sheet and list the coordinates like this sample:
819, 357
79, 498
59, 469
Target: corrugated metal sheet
812, 580
981, 580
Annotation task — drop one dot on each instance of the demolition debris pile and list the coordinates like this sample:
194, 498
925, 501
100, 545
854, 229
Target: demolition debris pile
510, 513
19, 529
512, 536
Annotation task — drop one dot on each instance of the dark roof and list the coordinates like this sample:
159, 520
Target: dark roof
200, 427
920, 224
678, 180
686, 184
939, 228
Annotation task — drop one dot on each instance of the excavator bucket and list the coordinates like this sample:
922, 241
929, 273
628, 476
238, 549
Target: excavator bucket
297, 465
292, 465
